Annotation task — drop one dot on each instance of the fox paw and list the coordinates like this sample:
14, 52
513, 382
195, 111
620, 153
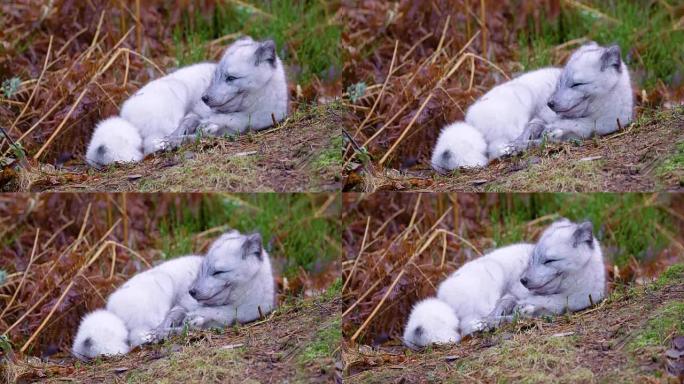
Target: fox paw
195, 320
209, 128
525, 309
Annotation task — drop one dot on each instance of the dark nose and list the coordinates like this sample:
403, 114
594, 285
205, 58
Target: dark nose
550, 104
193, 291
523, 281
205, 99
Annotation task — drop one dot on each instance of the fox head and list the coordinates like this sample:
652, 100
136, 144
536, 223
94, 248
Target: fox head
246, 66
591, 72
564, 247
233, 260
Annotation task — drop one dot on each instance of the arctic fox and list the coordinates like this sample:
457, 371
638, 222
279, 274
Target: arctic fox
234, 284
459, 145
136, 308
475, 288
114, 140
248, 90
501, 116
593, 95
565, 273
432, 321
100, 333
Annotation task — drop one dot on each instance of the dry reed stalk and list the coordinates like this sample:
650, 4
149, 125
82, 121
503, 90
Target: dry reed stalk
138, 26
358, 257
413, 216
319, 212
483, 26
382, 90
35, 88
361, 298
23, 277
394, 283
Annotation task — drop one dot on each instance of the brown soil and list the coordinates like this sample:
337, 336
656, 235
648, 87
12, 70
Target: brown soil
300, 155
282, 348
603, 344
631, 160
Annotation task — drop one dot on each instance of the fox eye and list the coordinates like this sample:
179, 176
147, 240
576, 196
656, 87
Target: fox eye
230, 78
575, 85
549, 261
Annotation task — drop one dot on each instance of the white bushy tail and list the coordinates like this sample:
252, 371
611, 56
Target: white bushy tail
101, 333
114, 140
459, 145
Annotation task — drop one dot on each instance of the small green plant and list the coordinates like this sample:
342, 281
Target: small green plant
11, 86
356, 91
5, 345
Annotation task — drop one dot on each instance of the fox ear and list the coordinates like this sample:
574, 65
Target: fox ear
266, 53
611, 57
583, 234
252, 246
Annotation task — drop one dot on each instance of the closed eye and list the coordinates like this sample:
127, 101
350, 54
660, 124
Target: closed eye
549, 261
575, 85
231, 78
216, 273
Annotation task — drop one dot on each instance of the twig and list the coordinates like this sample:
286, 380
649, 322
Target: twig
23, 277
358, 257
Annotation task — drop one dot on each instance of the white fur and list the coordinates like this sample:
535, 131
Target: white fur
432, 321
144, 301
503, 113
253, 100
114, 140
459, 146
158, 108
593, 93
235, 283
474, 290
100, 333
566, 271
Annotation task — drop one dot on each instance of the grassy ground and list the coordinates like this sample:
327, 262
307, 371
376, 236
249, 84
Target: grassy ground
623, 340
302, 154
297, 344
646, 156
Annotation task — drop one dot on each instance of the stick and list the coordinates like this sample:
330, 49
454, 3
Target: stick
358, 257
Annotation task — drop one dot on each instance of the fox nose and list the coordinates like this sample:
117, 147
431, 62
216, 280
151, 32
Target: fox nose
524, 281
193, 292
205, 99
550, 104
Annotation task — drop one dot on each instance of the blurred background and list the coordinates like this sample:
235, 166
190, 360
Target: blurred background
640, 234
61, 255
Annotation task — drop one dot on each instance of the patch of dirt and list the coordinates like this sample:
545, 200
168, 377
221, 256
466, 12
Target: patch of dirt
627, 161
275, 350
301, 154
596, 345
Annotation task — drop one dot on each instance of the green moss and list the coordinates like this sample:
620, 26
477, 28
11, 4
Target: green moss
669, 320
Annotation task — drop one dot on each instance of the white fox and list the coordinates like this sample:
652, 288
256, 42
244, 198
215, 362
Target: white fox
154, 111
474, 290
565, 273
593, 96
432, 321
501, 116
136, 308
234, 285
248, 90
